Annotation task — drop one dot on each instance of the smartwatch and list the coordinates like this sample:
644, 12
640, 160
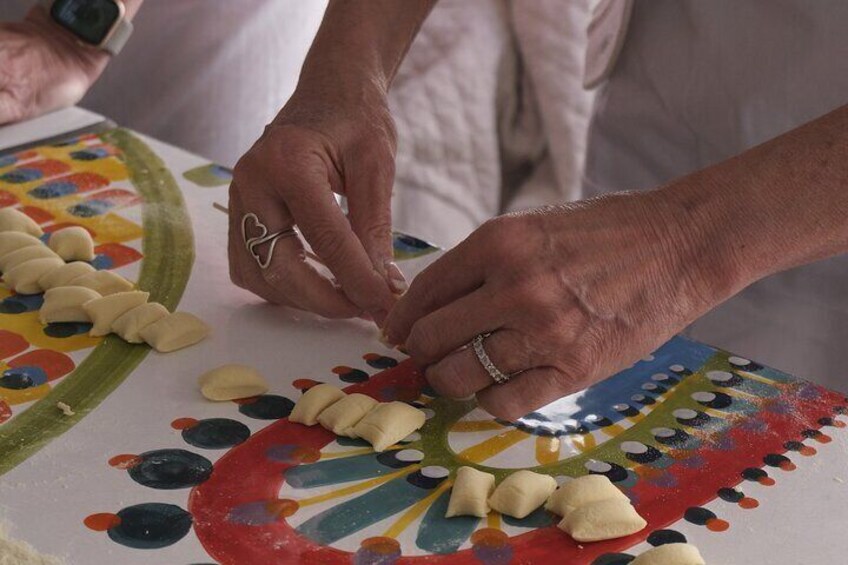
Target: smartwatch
99, 23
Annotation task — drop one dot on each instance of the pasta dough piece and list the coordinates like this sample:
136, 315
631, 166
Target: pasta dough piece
72, 244
64, 304
104, 282
23, 278
105, 310
64, 274
470, 493
175, 331
521, 493
388, 423
230, 382
583, 490
671, 554
14, 240
12, 219
11, 260
342, 416
130, 324
313, 402
602, 520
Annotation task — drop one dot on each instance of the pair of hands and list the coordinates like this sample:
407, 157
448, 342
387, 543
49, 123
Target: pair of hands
569, 294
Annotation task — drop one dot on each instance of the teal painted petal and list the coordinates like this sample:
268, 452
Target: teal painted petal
347, 469
438, 534
539, 518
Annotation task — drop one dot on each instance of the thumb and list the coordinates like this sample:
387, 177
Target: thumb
11, 109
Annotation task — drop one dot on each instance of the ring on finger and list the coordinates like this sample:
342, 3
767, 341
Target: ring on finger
252, 243
480, 351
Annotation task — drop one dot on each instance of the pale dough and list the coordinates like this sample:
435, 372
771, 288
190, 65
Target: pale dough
14, 240
104, 282
388, 423
470, 493
23, 278
521, 493
104, 311
671, 554
64, 304
313, 402
230, 382
63, 275
175, 331
583, 490
66, 410
72, 244
12, 219
342, 416
130, 324
14, 258
602, 520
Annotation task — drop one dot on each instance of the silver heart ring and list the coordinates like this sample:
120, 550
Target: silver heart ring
251, 243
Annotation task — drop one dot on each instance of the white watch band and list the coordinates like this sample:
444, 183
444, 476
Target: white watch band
116, 40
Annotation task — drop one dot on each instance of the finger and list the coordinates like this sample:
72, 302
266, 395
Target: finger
461, 374
453, 326
526, 392
10, 108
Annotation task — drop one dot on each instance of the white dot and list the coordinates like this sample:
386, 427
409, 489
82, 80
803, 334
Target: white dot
663, 432
739, 361
428, 413
677, 368
648, 358
414, 436
649, 386
409, 455
621, 407
634, 447
719, 376
659, 377
435, 472
703, 396
592, 418
637, 397
598, 466
685, 414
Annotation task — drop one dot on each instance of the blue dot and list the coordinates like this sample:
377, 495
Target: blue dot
151, 525
20, 378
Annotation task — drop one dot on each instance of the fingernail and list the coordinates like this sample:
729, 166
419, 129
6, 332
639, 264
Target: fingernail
397, 281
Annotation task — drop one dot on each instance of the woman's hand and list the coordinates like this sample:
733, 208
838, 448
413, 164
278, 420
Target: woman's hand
43, 68
326, 141
570, 295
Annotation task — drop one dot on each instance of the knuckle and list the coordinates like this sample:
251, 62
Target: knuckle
423, 342
449, 380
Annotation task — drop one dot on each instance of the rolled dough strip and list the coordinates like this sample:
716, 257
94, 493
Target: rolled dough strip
313, 402
388, 423
470, 493
105, 310
521, 493
583, 490
671, 554
340, 417
72, 244
104, 282
175, 331
602, 520
230, 382
23, 278
14, 240
63, 275
11, 260
130, 324
64, 304
12, 219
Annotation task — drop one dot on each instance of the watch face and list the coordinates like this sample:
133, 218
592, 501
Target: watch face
90, 20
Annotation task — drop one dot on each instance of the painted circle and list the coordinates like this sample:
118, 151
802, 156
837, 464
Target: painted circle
703, 396
634, 447
598, 466
685, 414
409, 455
434, 471
719, 376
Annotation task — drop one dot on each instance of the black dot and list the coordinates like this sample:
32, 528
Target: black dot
613, 559
616, 474
651, 455
389, 459
354, 376
810, 434
216, 433
381, 362
170, 469
699, 516
679, 437
775, 460
840, 409
826, 421
422, 481
152, 525
793, 445
663, 537
754, 474
730, 495
699, 420
66, 329
267, 407
720, 401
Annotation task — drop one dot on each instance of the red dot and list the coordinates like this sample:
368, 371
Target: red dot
245, 401
183, 423
717, 525
125, 461
823, 438
489, 537
807, 451
381, 545
371, 356
102, 522
788, 466
749, 503
838, 424
304, 384
342, 369
766, 481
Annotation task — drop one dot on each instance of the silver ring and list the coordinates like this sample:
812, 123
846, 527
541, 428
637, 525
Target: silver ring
496, 374
251, 243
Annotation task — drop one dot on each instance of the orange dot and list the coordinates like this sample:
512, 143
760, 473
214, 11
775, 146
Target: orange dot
307, 454
381, 545
717, 525
788, 466
102, 522
807, 451
303, 384
489, 537
823, 438
282, 508
125, 461
342, 369
248, 400
838, 424
749, 503
371, 356
766, 481
183, 423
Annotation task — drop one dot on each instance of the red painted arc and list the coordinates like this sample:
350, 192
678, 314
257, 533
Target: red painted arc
246, 475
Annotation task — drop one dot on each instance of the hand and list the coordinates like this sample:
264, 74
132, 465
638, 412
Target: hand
43, 68
570, 295
320, 145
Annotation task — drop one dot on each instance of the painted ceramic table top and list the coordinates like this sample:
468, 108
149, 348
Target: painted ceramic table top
744, 461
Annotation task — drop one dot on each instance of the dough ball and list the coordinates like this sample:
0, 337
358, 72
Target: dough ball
313, 402
230, 382
671, 554
63, 275
12, 219
521, 493
603, 520
470, 493
342, 416
388, 423
175, 331
104, 282
64, 304
130, 324
583, 490
23, 278
104, 311
11, 260
14, 240
72, 244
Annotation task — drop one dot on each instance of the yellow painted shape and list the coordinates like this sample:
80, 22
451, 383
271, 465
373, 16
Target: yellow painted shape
492, 446
348, 453
13, 397
584, 443
417, 509
27, 326
364, 485
613, 430
547, 450
493, 520
475, 426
